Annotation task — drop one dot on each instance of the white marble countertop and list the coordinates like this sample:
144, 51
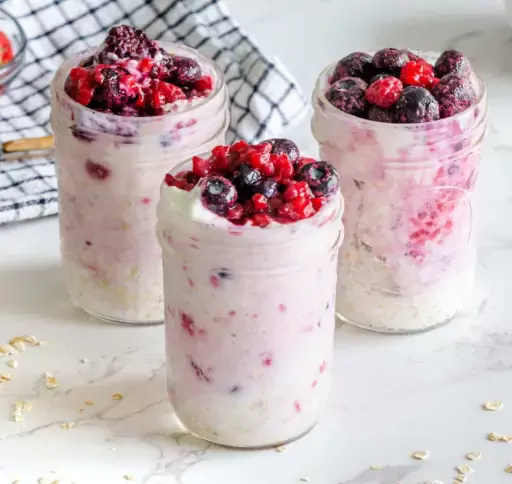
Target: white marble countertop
393, 395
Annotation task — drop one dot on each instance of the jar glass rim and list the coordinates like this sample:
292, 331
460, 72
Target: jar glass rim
60, 78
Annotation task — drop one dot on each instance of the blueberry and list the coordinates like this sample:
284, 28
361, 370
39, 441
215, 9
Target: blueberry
284, 146
382, 115
218, 194
321, 177
268, 188
185, 72
357, 64
347, 95
452, 62
454, 94
246, 178
390, 60
382, 75
416, 105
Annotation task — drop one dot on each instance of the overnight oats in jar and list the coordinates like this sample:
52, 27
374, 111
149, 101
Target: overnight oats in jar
405, 131
250, 238
123, 115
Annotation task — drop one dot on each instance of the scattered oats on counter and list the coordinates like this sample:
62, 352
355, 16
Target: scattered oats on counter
5, 377
474, 456
128, 477
508, 470
506, 438
493, 437
376, 467
16, 482
19, 409
117, 396
493, 406
56, 482
67, 425
461, 478
50, 381
281, 448
420, 455
84, 360
7, 350
12, 363
464, 469
89, 402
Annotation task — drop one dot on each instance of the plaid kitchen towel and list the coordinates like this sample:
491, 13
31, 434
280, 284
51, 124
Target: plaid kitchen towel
264, 97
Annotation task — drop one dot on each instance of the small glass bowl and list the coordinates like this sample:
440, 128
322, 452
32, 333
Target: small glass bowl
12, 28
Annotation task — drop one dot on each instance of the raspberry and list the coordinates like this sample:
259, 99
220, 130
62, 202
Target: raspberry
219, 159
200, 166
205, 83
235, 213
298, 189
417, 73
318, 202
162, 93
384, 92
259, 203
261, 219
172, 181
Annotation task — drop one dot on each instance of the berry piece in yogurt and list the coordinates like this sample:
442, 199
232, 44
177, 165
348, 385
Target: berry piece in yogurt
357, 64
452, 62
454, 94
416, 105
249, 184
348, 95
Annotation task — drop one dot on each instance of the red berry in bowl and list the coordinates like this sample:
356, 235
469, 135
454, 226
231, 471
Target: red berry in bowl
418, 73
321, 177
384, 92
284, 146
6, 52
218, 194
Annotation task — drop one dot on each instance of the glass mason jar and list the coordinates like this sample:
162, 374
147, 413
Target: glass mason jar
407, 262
249, 324
109, 171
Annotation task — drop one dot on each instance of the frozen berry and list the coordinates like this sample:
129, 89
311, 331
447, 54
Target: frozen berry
454, 94
416, 105
321, 177
347, 95
161, 93
384, 92
452, 62
6, 51
417, 73
126, 42
246, 178
284, 146
375, 113
377, 77
185, 71
268, 187
109, 93
219, 194
390, 60
357, 64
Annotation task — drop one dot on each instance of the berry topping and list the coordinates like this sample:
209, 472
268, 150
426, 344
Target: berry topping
132, 76
390, 60
377, 77
357, 64
454, 94
248, 184
380, 114
321, 177
218, 194
347, 95
452, 62
384, 92
6, 53
246, 178
186, 71
416, 105
284, 146
417, 73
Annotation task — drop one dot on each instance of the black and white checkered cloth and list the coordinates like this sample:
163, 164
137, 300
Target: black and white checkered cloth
264, 97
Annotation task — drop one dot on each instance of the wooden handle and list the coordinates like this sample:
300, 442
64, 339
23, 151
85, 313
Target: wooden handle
28, 144
25, 155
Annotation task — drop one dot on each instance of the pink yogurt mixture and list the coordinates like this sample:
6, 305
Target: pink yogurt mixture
408, 258
109, 171
249, 319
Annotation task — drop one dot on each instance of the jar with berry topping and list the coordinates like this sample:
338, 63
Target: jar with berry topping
121, 120
406, 138
249, 289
